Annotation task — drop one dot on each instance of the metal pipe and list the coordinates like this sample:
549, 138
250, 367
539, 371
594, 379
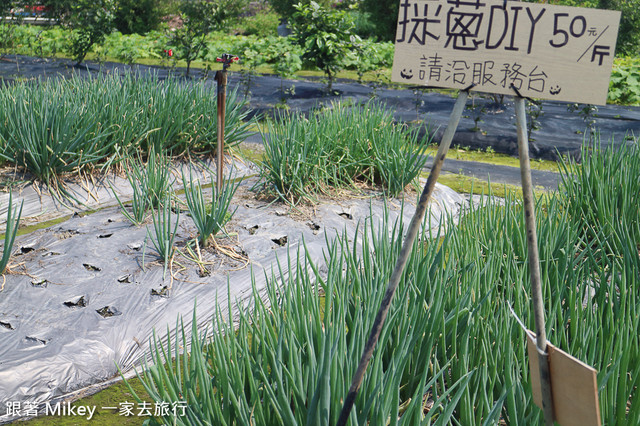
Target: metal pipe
534, 260
412, 232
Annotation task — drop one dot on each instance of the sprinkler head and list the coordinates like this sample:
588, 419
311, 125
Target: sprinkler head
227, 59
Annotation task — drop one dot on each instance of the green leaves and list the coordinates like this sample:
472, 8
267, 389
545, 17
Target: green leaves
199, 18
91, 21
624, 87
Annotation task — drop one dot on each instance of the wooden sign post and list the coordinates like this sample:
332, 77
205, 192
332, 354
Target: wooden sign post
543, 51
525, 49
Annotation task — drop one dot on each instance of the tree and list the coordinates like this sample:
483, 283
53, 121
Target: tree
384, 15
286, 8
90, 20
326, 37
137, 16
629, 32
199, 18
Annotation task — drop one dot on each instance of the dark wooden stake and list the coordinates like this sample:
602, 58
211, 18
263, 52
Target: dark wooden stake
534, 260
412, 232
221, 78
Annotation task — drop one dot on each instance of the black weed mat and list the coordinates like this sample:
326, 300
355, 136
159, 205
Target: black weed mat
561, 131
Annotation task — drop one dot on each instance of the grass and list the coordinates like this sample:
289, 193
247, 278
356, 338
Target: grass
463, 184
491, 157
113, 396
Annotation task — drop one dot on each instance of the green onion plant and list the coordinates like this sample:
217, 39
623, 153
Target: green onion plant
339, 146
450, 352
151, 184
12, 224
209, 217
164, 233
58, 126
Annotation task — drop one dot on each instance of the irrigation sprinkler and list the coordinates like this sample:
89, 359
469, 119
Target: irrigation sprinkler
221, 78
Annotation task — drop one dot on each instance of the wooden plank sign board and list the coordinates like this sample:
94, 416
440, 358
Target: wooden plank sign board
574, 386
545, 51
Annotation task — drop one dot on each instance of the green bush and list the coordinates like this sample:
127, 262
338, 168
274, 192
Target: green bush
624, 86
91, 21
131, 48
263, 24
384, 16
286, 8
363, 24
137, 16
199, 18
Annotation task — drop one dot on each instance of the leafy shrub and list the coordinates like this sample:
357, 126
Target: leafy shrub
338, 147
262, 24
372, 55
384, 17
363, 24
624, 86
33, 40
91, 21
326, 37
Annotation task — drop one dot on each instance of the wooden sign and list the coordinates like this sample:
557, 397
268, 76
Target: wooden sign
573, 383
544, 51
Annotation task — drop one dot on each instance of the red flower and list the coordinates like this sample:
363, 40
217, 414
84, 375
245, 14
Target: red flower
168, 52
